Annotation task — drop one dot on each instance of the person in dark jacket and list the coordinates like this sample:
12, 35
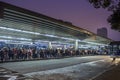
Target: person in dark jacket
2, 55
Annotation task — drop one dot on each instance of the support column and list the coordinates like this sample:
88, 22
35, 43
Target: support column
64, 47
76, 45
49, 45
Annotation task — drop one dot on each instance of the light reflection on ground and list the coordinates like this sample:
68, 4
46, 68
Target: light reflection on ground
117, 61
83, 71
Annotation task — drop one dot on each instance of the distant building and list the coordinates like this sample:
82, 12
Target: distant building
102, 32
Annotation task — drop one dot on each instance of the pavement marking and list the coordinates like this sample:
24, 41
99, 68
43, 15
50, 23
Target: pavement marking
64, 69
109, 68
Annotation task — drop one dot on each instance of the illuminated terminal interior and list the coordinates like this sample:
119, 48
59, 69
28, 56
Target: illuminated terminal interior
20, 28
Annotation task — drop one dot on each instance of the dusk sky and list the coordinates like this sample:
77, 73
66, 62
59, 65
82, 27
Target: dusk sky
80, 12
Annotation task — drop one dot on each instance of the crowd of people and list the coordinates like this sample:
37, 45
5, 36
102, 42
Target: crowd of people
7, 54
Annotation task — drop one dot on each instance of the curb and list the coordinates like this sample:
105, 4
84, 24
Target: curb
45, 58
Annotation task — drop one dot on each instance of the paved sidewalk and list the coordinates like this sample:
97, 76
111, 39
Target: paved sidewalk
6, 74
112, 74
83, 68
48, 58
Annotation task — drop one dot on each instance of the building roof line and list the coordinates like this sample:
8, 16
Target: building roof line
26, 11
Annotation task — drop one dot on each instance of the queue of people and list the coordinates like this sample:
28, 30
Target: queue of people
7, 54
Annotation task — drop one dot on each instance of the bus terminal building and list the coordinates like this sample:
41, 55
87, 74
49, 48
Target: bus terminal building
21, 27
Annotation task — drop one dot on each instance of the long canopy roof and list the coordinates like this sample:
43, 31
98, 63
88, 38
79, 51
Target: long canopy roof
21, 24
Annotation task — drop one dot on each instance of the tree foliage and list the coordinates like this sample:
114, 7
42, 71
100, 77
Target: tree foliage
110, 5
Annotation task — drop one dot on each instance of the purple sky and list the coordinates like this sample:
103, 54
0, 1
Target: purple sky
80, 12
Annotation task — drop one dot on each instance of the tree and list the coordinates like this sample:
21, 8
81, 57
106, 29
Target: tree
110, 5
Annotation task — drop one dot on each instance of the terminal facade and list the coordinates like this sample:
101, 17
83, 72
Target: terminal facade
24, 28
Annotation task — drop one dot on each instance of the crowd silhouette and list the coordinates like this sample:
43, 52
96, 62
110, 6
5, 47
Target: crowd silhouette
12, 54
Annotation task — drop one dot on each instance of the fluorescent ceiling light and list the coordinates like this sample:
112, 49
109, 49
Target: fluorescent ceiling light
93, 43
50, 35
18, 30
9, 37
35, 33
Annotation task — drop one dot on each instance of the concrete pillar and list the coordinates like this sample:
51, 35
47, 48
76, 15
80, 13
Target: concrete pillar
76, 45
49, 45
64, 47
